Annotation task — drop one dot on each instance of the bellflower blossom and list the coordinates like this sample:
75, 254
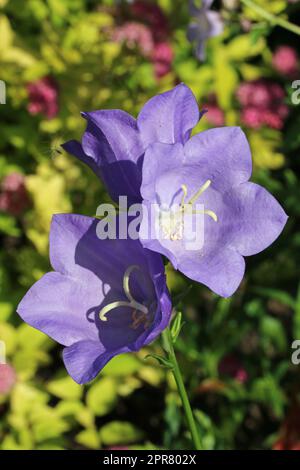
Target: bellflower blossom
105, 297
205, 24
114, 143
239, 218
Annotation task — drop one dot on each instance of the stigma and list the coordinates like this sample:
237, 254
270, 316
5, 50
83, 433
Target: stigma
172, 221
140, 314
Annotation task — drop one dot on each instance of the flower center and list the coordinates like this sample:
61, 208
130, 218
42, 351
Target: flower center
140, 314
172, 221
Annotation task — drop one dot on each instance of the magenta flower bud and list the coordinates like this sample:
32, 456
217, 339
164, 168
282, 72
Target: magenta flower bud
162, 58
285, 61
153, 16
13, 194
231, 366
43, 97
214, 114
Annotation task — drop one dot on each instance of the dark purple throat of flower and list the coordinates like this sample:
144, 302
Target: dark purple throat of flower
141, 314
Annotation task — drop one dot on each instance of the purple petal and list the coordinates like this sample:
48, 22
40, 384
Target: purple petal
206, 4
257, 218
194, 9
65, 233
159, 159
200, 50
85, 359
117, 136
192, 32
223, 153
111, 147
57, 305
165, 307
216, 23
169, 117
75, 148
222, 271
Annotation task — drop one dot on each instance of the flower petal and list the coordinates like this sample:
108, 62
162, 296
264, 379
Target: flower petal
111, 147
169, 117
216, 23
117, 136
58, 305
257, 218
65, 233
84, 360
224, 155
75, 148
163, 316
159, 159
221, 271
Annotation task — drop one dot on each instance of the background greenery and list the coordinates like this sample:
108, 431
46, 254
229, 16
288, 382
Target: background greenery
235, 353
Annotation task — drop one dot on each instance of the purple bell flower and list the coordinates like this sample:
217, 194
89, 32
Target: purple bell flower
205, 24
238, 218
114, 143
105, 297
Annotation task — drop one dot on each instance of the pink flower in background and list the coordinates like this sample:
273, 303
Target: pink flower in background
262, 104
162, 59
13, 194
153, 16
285, 61
135, 35
230, 365
43, 97
156, 23
214, 114
7, 378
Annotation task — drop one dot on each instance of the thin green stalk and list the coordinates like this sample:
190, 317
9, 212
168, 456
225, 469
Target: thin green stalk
275, 20
168, 344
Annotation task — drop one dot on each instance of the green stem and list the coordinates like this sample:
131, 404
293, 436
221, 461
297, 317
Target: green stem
168, 344
275, 20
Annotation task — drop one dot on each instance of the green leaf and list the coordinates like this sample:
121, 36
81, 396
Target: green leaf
89, 438
6, 34
102, 396
176, 327
226, 78
125, 364
8, 335
8, 225
120, 432
276, 294
161, 360
272, 331
65, 388
242, 47
69, 408
296, 319
46, 424
25, 397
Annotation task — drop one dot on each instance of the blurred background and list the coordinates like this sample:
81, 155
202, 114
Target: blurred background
60, 57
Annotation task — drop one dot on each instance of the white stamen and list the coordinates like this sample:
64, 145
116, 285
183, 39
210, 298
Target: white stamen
123, 303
